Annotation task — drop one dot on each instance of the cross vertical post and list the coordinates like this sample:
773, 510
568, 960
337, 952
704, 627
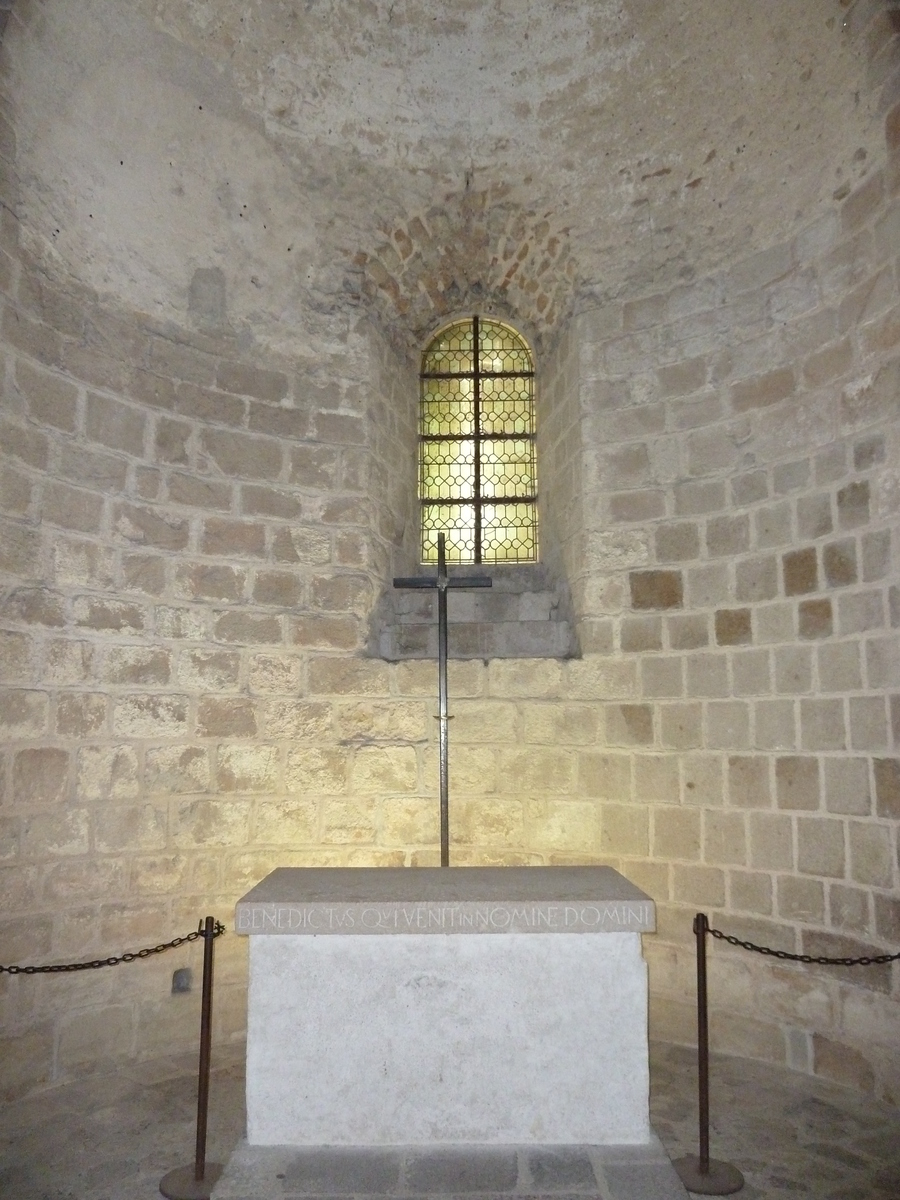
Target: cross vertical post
442, 584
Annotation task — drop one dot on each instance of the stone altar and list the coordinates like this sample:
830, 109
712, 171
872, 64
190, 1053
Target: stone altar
463, 1005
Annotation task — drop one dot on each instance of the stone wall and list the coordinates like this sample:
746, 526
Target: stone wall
742, 499
194, 528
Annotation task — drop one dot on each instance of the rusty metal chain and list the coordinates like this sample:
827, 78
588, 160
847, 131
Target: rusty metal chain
147, 952
819, 960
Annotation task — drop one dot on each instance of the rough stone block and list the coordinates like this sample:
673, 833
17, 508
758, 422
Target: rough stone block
226, 717
545, 770
242, 379
728, 725
23, 713
681, 726
604, 776
839, 667
871, 856
775, 725
639, 634
814, 516
624, 829
800, 570
756, 578
113, 424
789, 477
793, 669
677, 542
108, 615
727, 536
248, 628
81, 715
150, 527
54, 834
876, 555
703, 886
255, 768
820, 847
763, 390
750, 672
680, 379
822, 725
751, 891
771, 842
708, 586
887, 787
814, 618
676, 833
868, 723
342, 594
797, 783
317, 770
733, 626
801, 900
656, 589
707, 675
629, 724
749, 488
883, 662
51, 400
860, 611
748, 781
206, 822
702, 780
724, 838
839, 562
662, 676
71, 508
772, 525
695, 497
242, 456
687, 632
150, 716
853, 505
842, 1064
849, 908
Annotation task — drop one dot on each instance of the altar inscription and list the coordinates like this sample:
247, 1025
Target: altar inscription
627, 916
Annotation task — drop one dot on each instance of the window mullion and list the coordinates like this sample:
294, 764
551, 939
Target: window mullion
476, 396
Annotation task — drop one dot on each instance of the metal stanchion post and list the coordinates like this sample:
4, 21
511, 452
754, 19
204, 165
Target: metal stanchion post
198, 1181
701, 1174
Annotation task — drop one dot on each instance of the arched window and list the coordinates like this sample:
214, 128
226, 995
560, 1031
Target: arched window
477, 468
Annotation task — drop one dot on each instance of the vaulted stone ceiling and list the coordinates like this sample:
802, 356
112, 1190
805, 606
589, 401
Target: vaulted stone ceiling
296, 143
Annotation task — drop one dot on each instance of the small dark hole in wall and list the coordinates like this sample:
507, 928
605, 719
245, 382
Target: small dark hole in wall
181, 980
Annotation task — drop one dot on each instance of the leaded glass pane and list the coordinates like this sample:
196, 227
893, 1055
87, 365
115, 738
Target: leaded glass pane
451, 351
507, 406
507, 469
448, 470
476, 445
457, 523
447, 408
509, 532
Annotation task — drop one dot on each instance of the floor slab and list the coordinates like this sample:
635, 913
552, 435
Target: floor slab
462, 1172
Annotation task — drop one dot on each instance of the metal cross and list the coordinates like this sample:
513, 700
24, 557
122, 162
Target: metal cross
443, 583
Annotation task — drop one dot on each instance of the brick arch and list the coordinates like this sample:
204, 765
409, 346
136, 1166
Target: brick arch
477, 249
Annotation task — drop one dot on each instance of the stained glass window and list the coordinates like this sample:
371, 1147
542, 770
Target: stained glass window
477, 469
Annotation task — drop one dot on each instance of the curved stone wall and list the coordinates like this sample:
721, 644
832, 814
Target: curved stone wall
194, 527
740, 442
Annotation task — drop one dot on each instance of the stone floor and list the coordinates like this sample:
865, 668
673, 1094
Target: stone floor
113, 1137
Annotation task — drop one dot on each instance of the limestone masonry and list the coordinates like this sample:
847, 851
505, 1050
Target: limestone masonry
226, 232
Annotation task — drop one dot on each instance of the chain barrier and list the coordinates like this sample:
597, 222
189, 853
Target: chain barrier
147, 952
817, 959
